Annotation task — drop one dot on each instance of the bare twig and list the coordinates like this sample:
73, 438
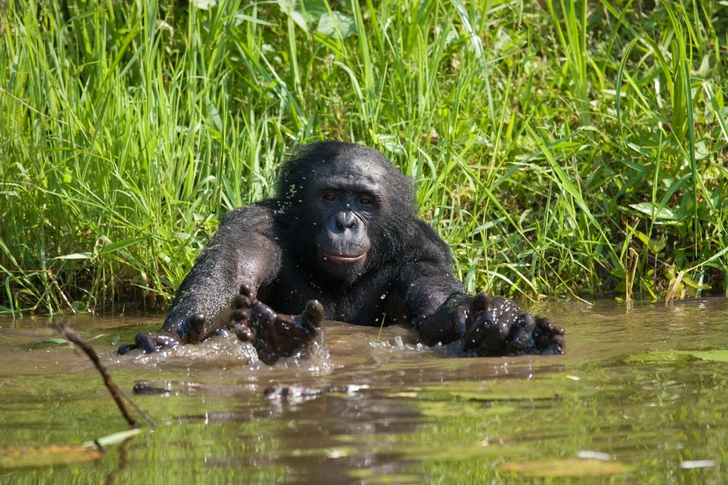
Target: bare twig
146, 416
70, 334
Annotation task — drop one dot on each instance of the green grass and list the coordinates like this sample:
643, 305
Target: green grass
570, 148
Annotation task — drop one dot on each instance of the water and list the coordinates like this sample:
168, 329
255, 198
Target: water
398, 413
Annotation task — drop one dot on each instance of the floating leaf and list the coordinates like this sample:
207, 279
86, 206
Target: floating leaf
594, 455
712, 355
569, 467
114, 439
457, 409
697, 464
675, 355
503, 390
375, 476
657, 357
474, 451
22, 456
25, 456
57, 341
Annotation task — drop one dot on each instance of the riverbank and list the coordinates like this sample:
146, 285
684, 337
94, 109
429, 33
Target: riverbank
127, 130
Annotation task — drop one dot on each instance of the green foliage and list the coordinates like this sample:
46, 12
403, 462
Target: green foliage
558, 150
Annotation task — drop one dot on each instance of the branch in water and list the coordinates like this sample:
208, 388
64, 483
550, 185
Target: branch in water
70, 334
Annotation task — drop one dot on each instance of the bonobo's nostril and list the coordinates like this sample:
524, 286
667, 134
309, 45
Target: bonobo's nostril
345, 220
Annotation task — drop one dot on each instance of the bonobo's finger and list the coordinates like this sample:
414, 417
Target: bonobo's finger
261, 312
195, 329
247, 291
152, 342
486, 337
166, 340
240, 301
239, 315
480, 303
263, 318
244, 333
244, 299
146, 342
520, 336
545, 325
313, 315
474, 336
462, 315
124, 349
548, 339
275, 335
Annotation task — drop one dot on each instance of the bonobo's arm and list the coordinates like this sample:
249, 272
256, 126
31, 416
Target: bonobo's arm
473, 325
244, 251
430, 290
488, 326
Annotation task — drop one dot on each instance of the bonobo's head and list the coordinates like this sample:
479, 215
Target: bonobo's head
344, 206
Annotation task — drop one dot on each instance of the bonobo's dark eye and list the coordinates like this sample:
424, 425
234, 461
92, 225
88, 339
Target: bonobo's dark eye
330, 197
365, 200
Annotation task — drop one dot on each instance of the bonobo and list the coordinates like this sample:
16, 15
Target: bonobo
342, 231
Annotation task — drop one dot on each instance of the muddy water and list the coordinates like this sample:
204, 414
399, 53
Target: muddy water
640, 397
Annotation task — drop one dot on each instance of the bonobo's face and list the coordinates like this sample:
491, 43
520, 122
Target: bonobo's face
345, 202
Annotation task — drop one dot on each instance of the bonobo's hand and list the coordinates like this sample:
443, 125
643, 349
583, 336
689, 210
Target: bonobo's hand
191, 331
273, 335
496, 326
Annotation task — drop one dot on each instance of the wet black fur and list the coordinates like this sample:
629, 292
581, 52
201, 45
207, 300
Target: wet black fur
269, 245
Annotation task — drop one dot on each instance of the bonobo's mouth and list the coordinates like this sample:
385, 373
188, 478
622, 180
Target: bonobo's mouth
341, 258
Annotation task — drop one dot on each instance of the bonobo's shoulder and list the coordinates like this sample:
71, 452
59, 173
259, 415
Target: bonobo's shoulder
426, 244
257, 213
428, 234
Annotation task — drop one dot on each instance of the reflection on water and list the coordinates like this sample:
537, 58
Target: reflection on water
382, 408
